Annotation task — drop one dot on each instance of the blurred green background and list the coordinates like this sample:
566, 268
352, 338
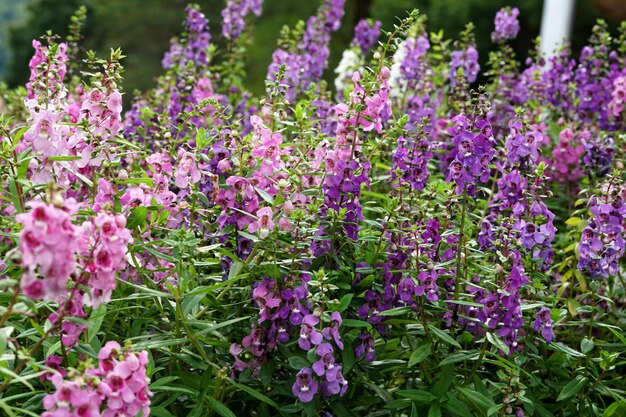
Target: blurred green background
142, 28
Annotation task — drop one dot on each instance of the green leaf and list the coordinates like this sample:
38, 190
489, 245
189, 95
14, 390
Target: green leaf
573, 221
61, 158
445, 337
458, 357
434, 410
235, 269
398, 311
478, 400
617, 409
265, 196
249, 236
340, 409
354, 323
345, 301
396, 404
292, 408
160, 412
567, 350
97, 317
418, 396
298, 362
137, 217
220, 408
419, 354
586, 345
254, 393
618, 335
572, 388
495, 340
455, 407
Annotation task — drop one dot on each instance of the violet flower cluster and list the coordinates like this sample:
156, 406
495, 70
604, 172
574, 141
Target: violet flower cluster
347, 172
599, 154
602, 241
194, 46
366, 35
234, 14
410, 161
464, 65
472, 153
507, 25
307, 62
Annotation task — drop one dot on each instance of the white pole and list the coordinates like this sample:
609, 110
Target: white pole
556, 24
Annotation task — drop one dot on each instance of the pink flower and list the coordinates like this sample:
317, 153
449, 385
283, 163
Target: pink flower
264, 224
117, 388
48, 243
114, 103
187, 170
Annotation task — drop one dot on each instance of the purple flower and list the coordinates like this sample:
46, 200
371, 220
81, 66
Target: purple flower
602, 242
598, 158
307, 64
194, 46
366, 34
305, 386
308, 335
473, 151
234, 15
465, 60
521, 148
366, 347
326, 365
507, 25
410, 162
336, 386
331, 332
543, 324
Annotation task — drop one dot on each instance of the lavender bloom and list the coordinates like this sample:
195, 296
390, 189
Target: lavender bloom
511, 313
598, 158
522, 148
507, 25
308, 335
326, 365
472, 154
466, 61
537, 238
410, 162
365, 349
336, 386
331, 332
234, 16
618, 96
305, 386
194, 46
543, 324
602, 242
593, 79
366, 34
307, 63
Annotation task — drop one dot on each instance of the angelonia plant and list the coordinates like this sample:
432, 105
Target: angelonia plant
426, 238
